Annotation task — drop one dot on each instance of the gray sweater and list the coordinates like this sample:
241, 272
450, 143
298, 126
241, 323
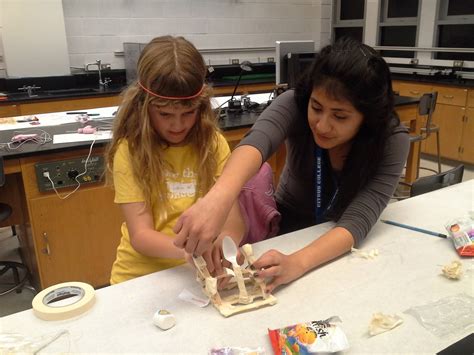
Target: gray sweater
281, 121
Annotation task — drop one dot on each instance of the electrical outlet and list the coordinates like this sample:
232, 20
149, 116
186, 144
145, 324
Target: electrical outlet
414, 61
458, 63
234, 61
270, 60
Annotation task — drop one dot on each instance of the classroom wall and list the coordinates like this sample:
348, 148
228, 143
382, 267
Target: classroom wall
97, 29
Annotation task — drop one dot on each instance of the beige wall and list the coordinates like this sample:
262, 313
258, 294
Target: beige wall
97, 29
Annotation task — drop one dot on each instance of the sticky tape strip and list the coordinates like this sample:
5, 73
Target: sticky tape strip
42, 310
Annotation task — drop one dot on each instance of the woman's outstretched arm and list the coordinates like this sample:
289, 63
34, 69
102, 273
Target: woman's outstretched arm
198, 227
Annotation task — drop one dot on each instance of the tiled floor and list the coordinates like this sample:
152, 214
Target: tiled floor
13, 302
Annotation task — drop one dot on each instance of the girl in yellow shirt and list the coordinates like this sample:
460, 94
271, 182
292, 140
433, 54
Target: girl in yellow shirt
166, 153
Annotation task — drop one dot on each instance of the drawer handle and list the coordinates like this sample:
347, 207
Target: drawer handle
46, 249
448, 96
414, 92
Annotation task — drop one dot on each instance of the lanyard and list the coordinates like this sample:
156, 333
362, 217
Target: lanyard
320, 210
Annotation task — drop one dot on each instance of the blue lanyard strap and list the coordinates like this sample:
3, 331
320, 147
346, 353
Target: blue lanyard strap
320, 211
318, 157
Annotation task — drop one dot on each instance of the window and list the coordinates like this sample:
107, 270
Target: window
459, 7
352, 10
455, 28
348, 19
398, 26
402, 8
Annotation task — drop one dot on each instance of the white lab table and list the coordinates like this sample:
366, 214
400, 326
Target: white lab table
406, 273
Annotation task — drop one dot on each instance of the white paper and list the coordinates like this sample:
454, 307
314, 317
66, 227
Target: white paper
80, 137
190, 297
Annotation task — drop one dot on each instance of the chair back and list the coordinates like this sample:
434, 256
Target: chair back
434, 182
426, 107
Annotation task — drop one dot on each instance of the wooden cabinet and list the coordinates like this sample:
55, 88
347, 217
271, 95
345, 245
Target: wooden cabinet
413, 89
467, 146
450, 121
450, 116
451, 96
470, 98
9, 110
453, 114
76, 239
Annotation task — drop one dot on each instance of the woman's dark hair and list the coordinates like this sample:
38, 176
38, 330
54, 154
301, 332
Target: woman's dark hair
352, 71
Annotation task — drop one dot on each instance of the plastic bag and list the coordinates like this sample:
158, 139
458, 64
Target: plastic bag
461, 231
309, 338
445, 316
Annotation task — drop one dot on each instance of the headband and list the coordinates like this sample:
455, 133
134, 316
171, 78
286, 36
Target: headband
172, 97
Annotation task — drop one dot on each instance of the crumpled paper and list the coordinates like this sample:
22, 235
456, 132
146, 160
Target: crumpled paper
381, 323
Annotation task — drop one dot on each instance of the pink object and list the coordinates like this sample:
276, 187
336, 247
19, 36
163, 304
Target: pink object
87, 130
258, 207
24, 137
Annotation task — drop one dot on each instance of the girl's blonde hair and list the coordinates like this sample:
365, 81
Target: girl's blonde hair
173, 67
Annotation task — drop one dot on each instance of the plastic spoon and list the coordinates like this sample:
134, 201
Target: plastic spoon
229, 249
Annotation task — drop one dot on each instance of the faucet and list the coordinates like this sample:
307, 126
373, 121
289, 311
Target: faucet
102, 83
29, 89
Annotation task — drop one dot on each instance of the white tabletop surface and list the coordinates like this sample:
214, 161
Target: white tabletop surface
406, 273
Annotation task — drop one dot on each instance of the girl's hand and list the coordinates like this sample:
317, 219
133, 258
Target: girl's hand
279, 268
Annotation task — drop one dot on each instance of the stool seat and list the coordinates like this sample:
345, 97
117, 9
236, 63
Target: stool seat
433, 128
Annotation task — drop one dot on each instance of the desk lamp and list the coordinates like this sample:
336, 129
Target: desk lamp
236, 105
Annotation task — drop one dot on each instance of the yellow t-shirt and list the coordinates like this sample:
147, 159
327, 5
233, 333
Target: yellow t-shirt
181, 184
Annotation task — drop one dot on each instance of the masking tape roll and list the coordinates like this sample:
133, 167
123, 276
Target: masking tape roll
42, 309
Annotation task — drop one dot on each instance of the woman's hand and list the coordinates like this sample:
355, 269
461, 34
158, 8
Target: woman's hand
213, 259
279, 268
200, 225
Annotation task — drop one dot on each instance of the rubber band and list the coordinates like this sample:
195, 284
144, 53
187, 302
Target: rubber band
171, 97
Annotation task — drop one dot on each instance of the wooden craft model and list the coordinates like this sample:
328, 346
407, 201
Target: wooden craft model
250, 292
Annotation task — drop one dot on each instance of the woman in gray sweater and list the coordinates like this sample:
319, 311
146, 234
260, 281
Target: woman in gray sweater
345, 152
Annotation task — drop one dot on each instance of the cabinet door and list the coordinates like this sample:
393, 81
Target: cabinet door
413, 89
451, 95
9, 111
76, 239
470, 98
34, 108
450, 121
467, 146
